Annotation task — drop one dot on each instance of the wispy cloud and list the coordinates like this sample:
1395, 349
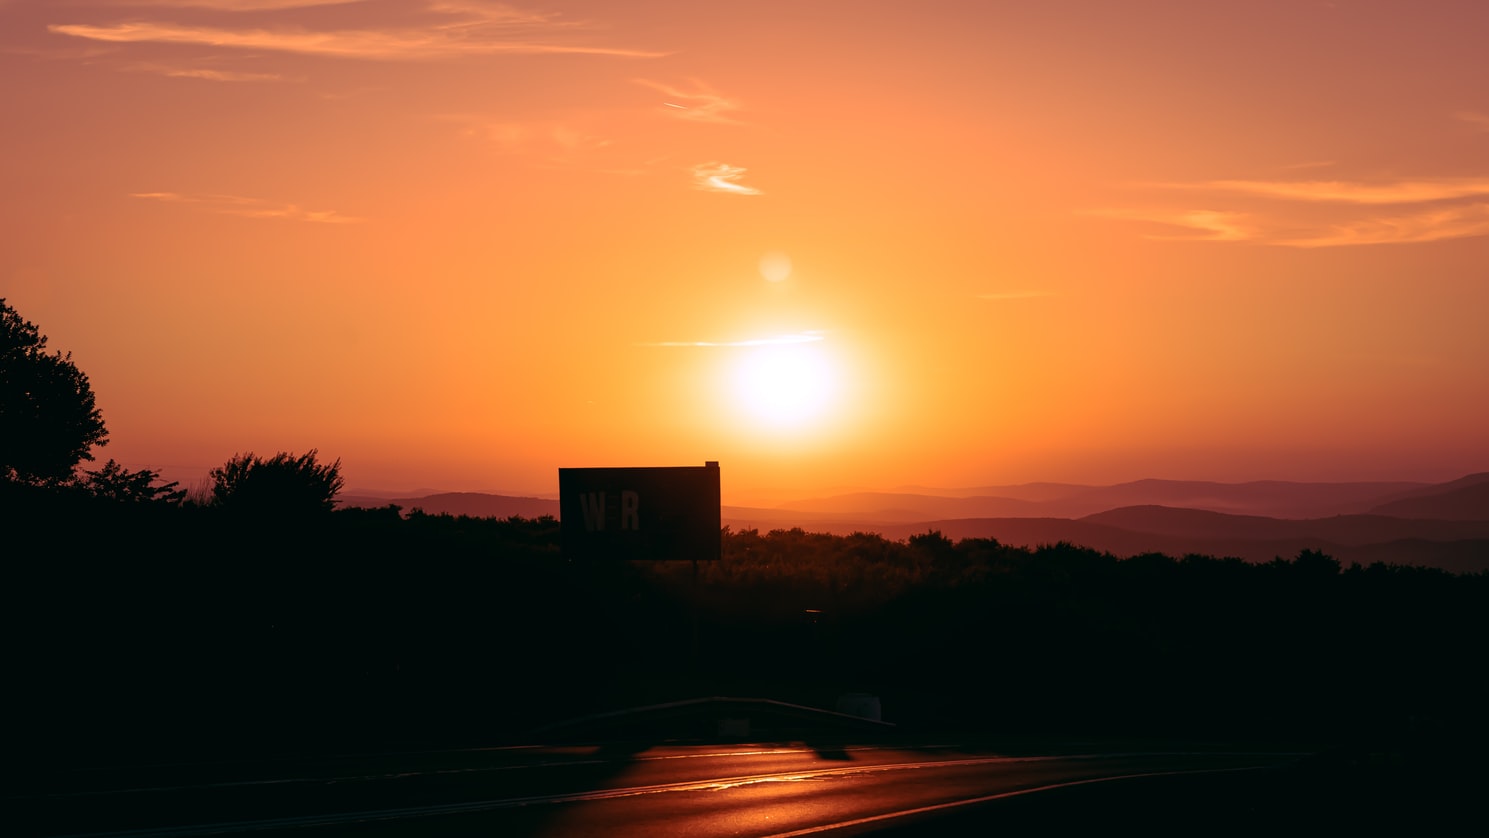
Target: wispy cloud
249, 207
234, 5
721, 177
1309, 164
1323, 213
569, 140
216, 75
1396, 192
1206, 225
772, 340
699, 104
1455, 222
1478, 120
550, 135
368, 44
457, 28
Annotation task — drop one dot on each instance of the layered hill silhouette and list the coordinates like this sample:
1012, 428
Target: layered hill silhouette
1465, 499
1433, 525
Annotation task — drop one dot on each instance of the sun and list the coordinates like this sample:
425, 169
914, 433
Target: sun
785, 386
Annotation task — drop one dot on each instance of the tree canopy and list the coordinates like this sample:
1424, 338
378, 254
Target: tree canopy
48, 419
116, 483
282, 484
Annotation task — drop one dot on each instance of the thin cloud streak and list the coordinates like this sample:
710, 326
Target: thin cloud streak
250, 207
234, 5
702, 104
464, 29
1209, 225
1428, 226
775, 340
1478, 120
366, 44
560, 141
220, 75
1340, 213
721, 177
1400, 192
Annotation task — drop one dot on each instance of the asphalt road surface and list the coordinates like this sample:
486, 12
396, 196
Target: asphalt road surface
641, 790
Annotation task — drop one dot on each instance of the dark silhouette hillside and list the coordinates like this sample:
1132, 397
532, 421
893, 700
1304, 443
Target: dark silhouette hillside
475, 504
1435, 538
1272, 498
1340, 529
1466, 499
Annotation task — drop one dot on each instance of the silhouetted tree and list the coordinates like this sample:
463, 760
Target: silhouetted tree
281, 485
48, 420
1316, 564
932, 542
117, 483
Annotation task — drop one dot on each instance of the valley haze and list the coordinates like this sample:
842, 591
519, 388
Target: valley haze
1443, 525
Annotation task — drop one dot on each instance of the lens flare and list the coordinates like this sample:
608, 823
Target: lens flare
775, 266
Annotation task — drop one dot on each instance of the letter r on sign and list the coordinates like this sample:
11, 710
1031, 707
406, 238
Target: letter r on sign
630, 510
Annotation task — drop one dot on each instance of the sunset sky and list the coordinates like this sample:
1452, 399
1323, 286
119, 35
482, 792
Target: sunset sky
460, 244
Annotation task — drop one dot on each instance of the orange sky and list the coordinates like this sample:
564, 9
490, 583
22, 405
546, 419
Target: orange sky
459, 244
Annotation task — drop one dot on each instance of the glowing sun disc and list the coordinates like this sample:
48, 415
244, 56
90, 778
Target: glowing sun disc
785, 385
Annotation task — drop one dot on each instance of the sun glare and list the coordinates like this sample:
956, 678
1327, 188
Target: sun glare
785, 385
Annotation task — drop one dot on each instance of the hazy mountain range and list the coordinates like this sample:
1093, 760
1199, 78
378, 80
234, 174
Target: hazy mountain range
1442, 525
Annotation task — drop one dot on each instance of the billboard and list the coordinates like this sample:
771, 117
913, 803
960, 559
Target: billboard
640, 513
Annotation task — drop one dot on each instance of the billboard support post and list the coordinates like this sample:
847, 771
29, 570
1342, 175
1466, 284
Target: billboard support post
646, 514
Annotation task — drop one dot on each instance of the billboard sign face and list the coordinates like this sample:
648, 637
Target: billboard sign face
640, 513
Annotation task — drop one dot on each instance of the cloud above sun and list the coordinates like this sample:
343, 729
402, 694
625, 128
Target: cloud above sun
249, 207
1346, 192
235, 5
1201, 225
1318, 213
773, 340
451, 29
700, 103
1479, 121
1424, 225
207, 74
721, 177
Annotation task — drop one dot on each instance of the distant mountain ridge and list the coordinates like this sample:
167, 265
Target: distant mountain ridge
1438, 525
1464, 499
474, 504
1273, 498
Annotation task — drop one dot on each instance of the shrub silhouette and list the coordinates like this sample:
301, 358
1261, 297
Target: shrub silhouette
116, 483
48, 420
283, 484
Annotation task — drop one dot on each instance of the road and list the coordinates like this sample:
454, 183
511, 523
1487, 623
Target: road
612, 790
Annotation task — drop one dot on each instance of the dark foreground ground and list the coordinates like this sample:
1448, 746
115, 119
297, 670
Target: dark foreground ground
1048, 787
1331, 793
